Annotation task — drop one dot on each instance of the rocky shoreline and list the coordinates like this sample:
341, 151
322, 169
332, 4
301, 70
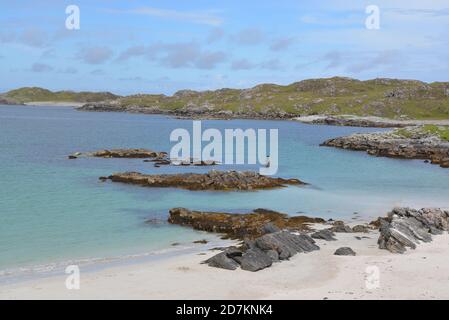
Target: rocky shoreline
191, 112
213, 180
408, 143
269, 237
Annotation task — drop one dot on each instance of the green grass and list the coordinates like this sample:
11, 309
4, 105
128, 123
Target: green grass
441, 131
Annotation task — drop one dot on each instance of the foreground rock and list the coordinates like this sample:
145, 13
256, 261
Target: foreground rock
121, 153
405, 227
268, 236
240, 226
213, 180
263, 251
410, 143
344, 251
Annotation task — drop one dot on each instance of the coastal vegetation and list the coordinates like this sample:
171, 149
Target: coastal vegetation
390, 98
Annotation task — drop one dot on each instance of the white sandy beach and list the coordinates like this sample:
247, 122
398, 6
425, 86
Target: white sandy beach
418, 274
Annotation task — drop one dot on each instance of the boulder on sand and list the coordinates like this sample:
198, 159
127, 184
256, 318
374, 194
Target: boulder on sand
405, 227
344, 251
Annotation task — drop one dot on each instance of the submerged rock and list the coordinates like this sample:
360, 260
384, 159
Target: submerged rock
121, 153
213, 180
344, 251
406, 228
240, 226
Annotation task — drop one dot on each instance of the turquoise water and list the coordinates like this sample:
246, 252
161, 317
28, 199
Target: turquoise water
53, 209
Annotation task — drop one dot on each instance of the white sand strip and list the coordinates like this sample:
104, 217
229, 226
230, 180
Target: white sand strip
418, 274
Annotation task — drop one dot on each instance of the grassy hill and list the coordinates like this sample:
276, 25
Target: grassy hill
35, 94
379, 97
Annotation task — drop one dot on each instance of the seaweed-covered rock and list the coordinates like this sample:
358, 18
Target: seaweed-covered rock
240, 226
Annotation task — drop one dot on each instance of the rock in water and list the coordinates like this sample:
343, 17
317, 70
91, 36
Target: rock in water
344, 251
213, 180
405, 227
325, 234
122, 153
255, 260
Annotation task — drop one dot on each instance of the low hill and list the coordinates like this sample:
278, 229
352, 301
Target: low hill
36, 94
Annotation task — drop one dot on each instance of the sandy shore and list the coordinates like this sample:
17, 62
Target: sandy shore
418, 274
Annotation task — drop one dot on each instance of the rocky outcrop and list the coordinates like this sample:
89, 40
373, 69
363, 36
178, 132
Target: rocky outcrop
263, 251
354, 121
213, 180
268, 236
121, 153
191, 111
240, 226
344, 251
406, 228
415, 145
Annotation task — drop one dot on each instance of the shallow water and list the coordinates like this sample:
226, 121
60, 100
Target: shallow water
53, 209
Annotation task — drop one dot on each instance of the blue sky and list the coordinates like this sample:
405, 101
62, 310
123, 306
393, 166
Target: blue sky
164, 46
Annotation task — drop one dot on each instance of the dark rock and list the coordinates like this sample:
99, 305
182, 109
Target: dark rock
286, 244
340, 227
72, 157
223, 261
273, 254
344, 251
360, 229
103, 179
203, 241
255, 260
325, 234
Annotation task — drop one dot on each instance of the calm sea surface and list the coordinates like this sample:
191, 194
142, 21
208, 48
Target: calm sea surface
54, 210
